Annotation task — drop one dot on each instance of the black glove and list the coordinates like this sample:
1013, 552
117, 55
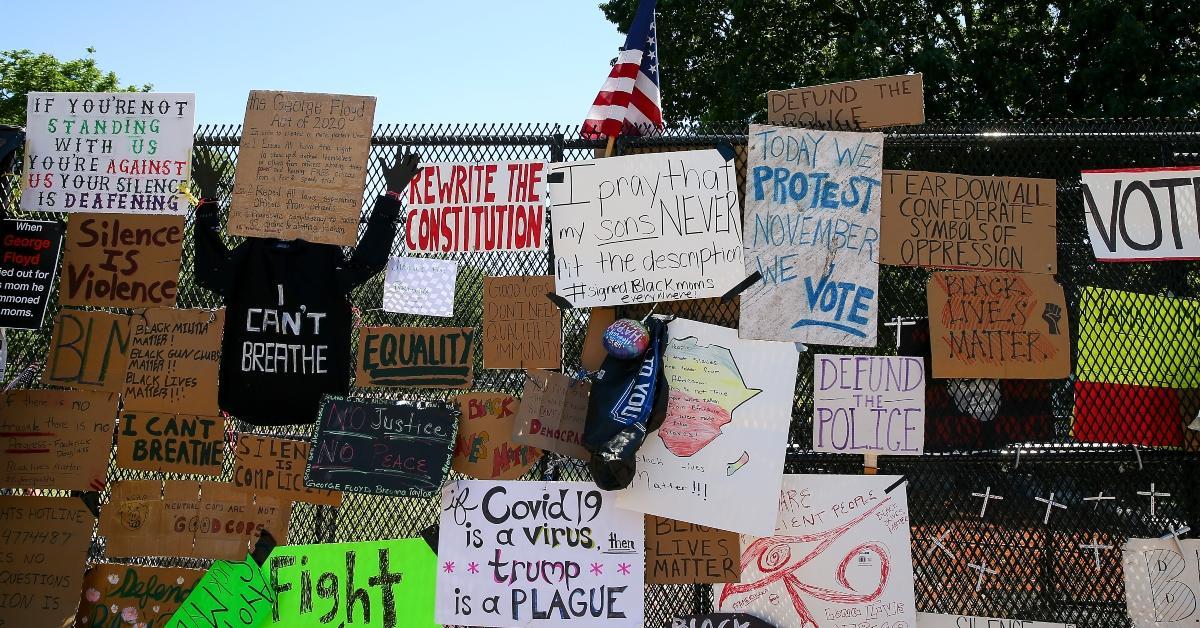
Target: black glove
205, 175
401, 172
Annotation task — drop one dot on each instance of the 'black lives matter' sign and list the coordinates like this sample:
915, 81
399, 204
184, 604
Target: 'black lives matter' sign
28, 259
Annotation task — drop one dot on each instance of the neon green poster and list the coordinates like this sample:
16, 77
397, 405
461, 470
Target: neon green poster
229, 594
1130, 338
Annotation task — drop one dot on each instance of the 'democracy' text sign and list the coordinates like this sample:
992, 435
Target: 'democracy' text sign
43, 547
1162, 582
869, 404
301, 167
646, 228
122, 261
540, 553
275, 466
28, 264
686, 553
56, 439
150, 441
998, 325
931, 620
420, 285
841, 550
852, 105
1143, 214
552, 413
123, 153
173, 361
521, 327
398, 448
484, 447
119, 596
88, 350
956, 221
429, 357
812, 230
476, 207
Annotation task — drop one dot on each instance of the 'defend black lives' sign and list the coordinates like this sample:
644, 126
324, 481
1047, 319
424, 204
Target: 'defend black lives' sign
28, 263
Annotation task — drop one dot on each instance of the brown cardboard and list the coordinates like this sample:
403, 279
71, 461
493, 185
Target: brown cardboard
230, 517
132, 522
121, 260
593, 353
302, 166
961, 222
42, 555
553, 412
88, 351
141, 596
427, 357
56, 439
275, 466
174, 357
171, 443
521, 327
851, 105
678, 552
998, 325
484, 447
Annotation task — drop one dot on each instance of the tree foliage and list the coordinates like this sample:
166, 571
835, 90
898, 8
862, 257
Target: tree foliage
983, 59
23, 71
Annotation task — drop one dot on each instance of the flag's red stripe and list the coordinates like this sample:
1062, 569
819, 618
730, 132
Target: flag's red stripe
648, 107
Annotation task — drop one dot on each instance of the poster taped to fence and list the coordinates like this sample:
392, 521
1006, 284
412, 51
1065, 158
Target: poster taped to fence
463, 207
484, 447
56, 439
122, 261
521, 327
171, 443
552, 413
229, 590
1138, 339
118, 595
271, 465
420, 285
427, 357
869, 404
1162, 582
89, 350
28, 266
174, 361
678, 552
851, 105
1142, 214
43, 549
931, 620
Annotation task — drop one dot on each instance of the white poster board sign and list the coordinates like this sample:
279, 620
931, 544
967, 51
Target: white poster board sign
812, 230
459, 207
840, 555
869, 404
646, 228
118, 153
538, 554
1142, 214
932, 620
1162, 582
717, 460
420, 285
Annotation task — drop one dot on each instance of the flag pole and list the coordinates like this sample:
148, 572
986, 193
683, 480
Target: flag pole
612, 144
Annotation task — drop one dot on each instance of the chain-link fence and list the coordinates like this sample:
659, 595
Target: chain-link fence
1043, 573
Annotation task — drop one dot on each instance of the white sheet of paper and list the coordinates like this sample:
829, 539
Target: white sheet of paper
1142, 214
1162, 585
420, 285
869, 404
932, 620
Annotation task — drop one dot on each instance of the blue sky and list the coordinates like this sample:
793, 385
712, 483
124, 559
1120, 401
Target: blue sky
425, 61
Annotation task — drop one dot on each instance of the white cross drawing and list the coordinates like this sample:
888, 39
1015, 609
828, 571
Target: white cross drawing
987, 496
1097, 498
899, 323
1174, 534
1152, 494
982, 570
1050, 503
1095, 546
937, 544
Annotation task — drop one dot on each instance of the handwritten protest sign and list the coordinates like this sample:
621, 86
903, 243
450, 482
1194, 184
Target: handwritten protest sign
484, 447
553, 412
28, 265
725, 434
42, 552
717, 620
130, 595
88, 350
429, 357
456, 207
400, 448
56, 438
812, 230
270, 465
646, 228
173, 443
869, 404
122, 261
943, 220
387, 584
302, 166
1138, 339
521, 327
123, 152
512, 552
1142, 214
841, 550
420, 285
931, 620
1000, 325
852, 105
686, 553
1162, 582
174, 360
230, 594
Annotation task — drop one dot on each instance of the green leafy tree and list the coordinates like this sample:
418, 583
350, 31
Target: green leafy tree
23, 71
980, 59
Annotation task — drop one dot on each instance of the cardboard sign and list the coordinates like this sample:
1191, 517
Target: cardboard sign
931, 620
42, 552
869, 404
553, 412
122, 261
646, 228
956, 221
521, 327
420, 285
28, 265
1142, 214
686, 553
998, 325
1138, 339
302, 166
852, 105
399, 448
718, 457
130, 595
459, 207
174, 360
386, 584
275, 466
171, 443
124, 152
56, 439
427, 357
1162, 582
812, 230
484, 447
717, 620
841, 549
88, 351
574, 540
229, 594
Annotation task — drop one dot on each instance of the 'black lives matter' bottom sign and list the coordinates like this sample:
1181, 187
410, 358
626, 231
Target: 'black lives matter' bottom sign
28, 263
399, 448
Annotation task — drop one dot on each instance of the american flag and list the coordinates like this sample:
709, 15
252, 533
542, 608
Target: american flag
629, 102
